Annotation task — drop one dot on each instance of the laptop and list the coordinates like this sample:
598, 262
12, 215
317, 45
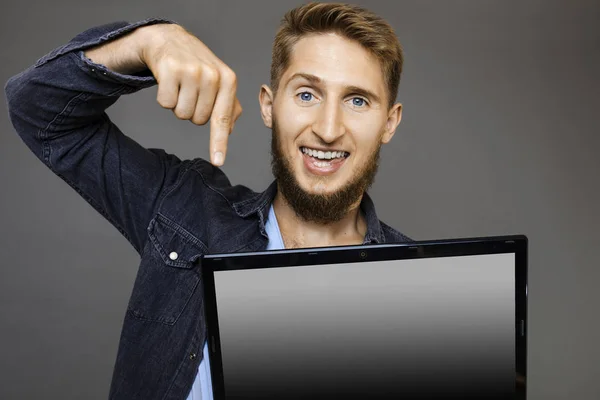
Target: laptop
443, 319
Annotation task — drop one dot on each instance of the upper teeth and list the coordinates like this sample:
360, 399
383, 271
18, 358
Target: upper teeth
323, 155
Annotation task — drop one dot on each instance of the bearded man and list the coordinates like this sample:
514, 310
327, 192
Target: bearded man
330, 105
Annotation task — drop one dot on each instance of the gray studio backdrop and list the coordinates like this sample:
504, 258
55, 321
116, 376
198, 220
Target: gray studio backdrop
499, 136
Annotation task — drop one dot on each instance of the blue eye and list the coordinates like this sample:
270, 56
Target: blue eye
358, 102
306, 96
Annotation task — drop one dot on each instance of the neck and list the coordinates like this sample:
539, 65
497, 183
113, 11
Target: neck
296, 232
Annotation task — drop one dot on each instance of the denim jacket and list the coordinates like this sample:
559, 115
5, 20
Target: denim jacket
172, 211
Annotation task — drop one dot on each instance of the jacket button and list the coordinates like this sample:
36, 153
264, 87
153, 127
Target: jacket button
173, 256
192, 356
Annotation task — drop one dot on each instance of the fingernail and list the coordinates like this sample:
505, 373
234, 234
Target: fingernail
218, 157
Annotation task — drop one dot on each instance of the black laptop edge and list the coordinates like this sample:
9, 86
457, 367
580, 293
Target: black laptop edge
366, 253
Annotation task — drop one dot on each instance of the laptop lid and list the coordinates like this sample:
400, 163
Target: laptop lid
421, 320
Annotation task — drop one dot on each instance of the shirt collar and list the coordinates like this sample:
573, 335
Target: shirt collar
261, 202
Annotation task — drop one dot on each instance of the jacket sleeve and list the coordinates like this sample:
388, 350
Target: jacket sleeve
57, 107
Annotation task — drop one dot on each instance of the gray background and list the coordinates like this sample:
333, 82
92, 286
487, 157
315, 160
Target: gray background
499, 136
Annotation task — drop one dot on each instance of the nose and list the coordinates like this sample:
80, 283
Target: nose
329, 125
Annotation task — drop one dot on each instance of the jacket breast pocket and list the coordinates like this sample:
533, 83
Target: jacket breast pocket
168, 274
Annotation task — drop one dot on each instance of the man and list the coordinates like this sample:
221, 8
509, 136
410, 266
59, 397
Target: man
334, 78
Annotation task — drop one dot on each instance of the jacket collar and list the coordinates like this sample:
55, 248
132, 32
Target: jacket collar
260, 203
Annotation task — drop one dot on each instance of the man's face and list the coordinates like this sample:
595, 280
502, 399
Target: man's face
329, 118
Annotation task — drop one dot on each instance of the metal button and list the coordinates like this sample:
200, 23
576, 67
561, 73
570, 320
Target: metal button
173, 256
192, 356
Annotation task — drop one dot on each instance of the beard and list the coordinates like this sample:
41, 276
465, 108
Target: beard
320, 208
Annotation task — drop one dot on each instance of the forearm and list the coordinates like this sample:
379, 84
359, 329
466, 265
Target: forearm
125, 55
58, 108
65, 91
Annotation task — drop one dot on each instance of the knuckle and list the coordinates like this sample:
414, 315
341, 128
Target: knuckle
211, 75
200, 119
223, 121
171, 64
165, 103
229, 76
193, 70
182, 114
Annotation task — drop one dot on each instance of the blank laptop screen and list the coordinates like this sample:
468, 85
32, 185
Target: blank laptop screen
428, 328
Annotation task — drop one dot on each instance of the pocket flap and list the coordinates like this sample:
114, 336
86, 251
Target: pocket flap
176, 246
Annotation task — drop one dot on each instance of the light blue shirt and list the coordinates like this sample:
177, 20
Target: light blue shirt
202, 388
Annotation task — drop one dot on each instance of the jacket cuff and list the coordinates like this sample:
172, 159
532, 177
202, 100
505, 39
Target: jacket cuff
139, 81
96, 36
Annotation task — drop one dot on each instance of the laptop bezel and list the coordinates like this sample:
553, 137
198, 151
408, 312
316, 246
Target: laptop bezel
516, 244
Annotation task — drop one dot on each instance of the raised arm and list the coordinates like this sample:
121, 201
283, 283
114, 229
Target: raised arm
57, 106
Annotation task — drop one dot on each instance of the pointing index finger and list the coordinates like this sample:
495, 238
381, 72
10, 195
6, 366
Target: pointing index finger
222, 118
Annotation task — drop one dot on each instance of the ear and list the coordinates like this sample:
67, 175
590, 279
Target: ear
265, 99
394, 117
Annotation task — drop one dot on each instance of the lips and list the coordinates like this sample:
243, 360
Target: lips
323, 163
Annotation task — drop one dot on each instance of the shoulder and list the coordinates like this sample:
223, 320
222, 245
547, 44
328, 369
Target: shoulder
217, 182
392, 235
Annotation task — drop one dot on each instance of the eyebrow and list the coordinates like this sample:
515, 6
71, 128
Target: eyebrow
351, 89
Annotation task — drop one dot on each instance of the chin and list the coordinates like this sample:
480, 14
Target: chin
319, 185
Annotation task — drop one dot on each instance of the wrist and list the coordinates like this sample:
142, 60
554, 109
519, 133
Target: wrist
129, 53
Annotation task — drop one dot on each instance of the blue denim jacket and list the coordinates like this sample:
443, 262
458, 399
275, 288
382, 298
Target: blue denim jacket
172, 211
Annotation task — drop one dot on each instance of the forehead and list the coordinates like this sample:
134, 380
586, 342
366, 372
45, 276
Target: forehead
337, 61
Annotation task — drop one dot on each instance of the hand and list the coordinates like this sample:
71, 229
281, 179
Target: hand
193, 82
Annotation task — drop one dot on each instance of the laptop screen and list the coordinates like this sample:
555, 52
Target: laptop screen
425, 328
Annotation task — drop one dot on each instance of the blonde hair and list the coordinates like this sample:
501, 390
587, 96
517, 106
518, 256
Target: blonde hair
352, 22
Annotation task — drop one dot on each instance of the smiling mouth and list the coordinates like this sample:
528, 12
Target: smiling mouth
319, 162
326, 156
